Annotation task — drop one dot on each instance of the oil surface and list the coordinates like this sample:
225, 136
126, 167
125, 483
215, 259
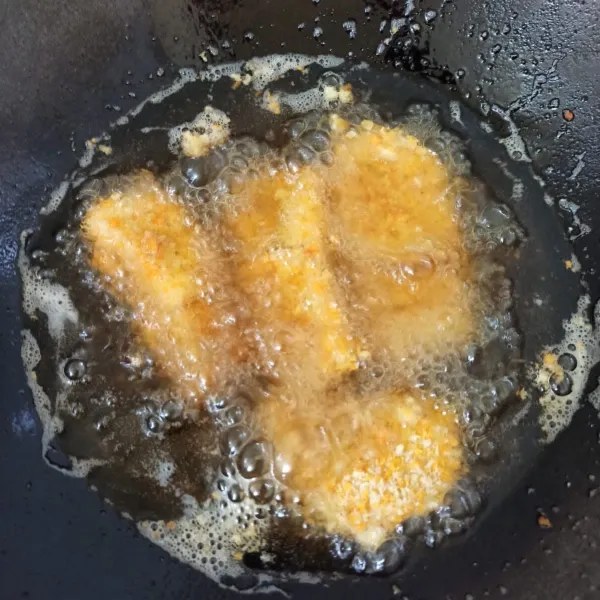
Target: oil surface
122, 386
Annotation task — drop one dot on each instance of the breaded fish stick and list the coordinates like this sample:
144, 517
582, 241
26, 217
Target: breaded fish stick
167, 272
277, 230
364, 464
396, 235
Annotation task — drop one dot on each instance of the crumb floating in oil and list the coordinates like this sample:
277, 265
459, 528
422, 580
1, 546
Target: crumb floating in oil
327, 316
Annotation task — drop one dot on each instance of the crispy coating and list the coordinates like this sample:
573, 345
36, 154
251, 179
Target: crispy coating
395, 231
168, 272
276, 228
363, 464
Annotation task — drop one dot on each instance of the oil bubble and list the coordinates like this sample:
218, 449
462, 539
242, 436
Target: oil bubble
490, 404
316, 140
233, 439
561, 384
464, 501
452, 526
430, 16
413, 526
486, 450
261, 490
304, 153
567, 361
495, 216
503, 388
171, 411
228, 468
350, 28
232, 415
327, 158
204, 196
154, 424
342, 547
235, 493
260, 513
253, 460
432, 538
331, 79
296, 128
238, 163
293, 162
77, 410
194, 171
359, 563
391, 556
75, 369
249, 148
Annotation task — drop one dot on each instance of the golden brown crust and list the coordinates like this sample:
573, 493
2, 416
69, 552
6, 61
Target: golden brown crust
277, 225
171, 276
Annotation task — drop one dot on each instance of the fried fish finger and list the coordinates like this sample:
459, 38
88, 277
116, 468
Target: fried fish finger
276, 230
165, 269
394, 214
363, 464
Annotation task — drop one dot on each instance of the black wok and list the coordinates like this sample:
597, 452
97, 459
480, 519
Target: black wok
69, 67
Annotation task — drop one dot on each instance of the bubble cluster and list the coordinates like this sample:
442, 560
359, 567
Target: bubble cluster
562, 372
266, 70
44, 296
200, 180
210, 534
195, 138
331, 92
309, 140
247, 467
159, 416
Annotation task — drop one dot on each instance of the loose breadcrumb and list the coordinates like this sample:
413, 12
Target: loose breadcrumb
194, 143
271, 102
544, 522
522, 394
342, 94
105, 149
345, 94
239, 80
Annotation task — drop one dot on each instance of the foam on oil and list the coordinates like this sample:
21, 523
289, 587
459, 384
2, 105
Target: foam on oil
563, 370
